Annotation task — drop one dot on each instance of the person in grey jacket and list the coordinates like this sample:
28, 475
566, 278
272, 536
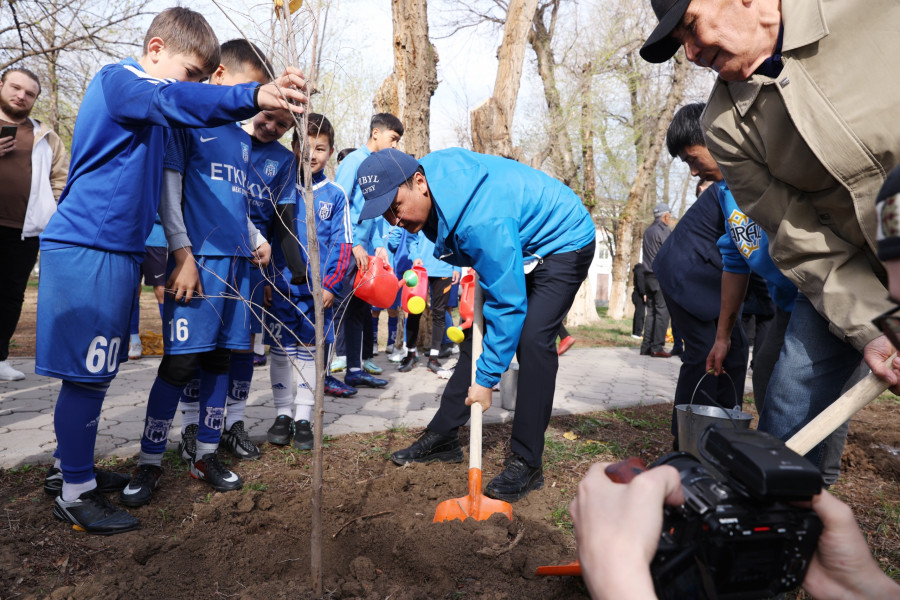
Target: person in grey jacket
657, 319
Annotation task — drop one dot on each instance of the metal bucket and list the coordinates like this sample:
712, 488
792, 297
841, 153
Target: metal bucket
693, 420
509, 387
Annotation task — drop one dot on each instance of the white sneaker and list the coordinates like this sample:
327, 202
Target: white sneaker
135, 351
398, 355
8, 373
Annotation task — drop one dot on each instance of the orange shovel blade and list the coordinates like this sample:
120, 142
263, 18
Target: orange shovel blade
474, 506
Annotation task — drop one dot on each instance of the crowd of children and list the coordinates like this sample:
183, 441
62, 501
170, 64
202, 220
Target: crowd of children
161, 162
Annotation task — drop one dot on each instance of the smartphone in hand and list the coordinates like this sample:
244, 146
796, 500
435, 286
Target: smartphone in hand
8, 131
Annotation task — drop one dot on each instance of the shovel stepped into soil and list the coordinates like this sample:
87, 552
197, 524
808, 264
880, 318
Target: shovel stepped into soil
475, 505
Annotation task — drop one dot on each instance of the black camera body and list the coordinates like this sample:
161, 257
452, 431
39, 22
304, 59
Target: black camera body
736, 536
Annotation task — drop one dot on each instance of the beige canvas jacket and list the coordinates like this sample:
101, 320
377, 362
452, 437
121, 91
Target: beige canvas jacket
805, 153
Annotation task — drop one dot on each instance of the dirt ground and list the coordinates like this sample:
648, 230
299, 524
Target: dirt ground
379, 538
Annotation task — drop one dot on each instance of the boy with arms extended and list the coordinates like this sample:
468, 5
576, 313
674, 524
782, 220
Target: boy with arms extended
205, 214
290, 326
531, 241
271, 178
105, 215
385, 131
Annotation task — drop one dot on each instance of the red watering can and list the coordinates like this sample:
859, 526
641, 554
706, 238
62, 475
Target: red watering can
412, 298
377, 285
466, 307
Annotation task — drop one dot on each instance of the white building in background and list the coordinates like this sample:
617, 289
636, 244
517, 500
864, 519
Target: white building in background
600, 273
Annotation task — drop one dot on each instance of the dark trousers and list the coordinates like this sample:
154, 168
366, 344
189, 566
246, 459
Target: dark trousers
17, 258
439, 288
354, 318
699, 337
765, 355
637, 324
551, 289
657, 320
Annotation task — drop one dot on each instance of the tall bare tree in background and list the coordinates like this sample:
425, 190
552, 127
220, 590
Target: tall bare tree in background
65, 42
492, 119
407, 91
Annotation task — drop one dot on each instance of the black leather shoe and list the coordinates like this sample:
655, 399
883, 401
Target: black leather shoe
431, 446
516, 480
409, 363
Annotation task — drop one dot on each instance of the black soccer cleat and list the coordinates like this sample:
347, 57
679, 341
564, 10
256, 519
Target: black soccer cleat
107, 481
139, 490
93, 513
237, 442
210, 470
303, 435
281, 432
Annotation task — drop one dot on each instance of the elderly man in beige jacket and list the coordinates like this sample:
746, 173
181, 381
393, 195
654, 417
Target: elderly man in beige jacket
804, 123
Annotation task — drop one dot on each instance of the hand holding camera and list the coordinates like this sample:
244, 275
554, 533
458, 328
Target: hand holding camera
719, 538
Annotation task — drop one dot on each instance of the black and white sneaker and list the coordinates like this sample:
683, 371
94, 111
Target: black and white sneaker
281, 432
303, 435
107, 481
139, 490
94, 513
210, 470
236, 441
187, 447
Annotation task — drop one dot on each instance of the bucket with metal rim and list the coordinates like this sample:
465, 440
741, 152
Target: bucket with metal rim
693, 419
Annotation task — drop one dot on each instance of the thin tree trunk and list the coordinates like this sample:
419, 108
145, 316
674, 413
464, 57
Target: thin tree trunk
589, 185
638, 192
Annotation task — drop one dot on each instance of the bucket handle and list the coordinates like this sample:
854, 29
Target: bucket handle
737, 406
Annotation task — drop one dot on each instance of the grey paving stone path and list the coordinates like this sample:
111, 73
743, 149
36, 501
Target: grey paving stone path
590, 379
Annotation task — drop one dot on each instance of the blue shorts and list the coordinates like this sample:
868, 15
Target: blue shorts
292, 321
220, 319
258, 282
85, 299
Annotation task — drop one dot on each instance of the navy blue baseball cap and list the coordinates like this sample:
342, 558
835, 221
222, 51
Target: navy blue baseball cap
661, 46
379, 176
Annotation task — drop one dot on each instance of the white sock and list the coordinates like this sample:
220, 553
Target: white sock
434, 352
281, 373
259, 348
71, 491
304, 400
234, 411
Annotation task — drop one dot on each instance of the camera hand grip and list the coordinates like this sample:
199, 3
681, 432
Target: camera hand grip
625, 470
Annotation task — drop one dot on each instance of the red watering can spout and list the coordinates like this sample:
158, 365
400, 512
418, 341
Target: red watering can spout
377, 285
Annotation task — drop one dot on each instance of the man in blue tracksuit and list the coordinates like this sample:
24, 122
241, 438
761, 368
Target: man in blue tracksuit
531, 241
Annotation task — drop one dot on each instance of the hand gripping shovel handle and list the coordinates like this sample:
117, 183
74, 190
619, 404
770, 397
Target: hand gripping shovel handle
854, 399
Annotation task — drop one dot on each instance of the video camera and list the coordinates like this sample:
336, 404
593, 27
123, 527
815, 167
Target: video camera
737, 536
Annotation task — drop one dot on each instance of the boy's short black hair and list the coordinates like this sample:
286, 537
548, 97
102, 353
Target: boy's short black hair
186, 32
685, 129
386, 121
343, 153
319, 125
239, 54
23, 71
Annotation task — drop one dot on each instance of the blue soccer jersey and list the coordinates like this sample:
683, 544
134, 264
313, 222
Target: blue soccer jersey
214, 165
118, 145
334, 234
271, 180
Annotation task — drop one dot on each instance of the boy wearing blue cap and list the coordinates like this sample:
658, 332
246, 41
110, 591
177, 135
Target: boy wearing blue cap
531, 241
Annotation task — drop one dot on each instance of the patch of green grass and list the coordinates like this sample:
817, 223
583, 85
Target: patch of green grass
256, 486
21, 470
561, 518
562, 450
174, 461
399, 429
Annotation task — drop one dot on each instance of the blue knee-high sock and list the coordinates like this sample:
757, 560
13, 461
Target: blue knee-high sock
161, 406
213, 389
392, 330
375, 327
136, 318
161, 311
240, 375
75, 421
189, 402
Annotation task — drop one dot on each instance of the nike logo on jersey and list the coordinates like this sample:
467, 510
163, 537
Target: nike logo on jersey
204, 140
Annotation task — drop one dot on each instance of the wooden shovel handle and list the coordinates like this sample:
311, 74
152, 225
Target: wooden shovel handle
477, 345
869, 388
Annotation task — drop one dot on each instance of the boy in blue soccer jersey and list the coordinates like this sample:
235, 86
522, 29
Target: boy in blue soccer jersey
205, 213
531, 241
105, 215
290, 323
271, 183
